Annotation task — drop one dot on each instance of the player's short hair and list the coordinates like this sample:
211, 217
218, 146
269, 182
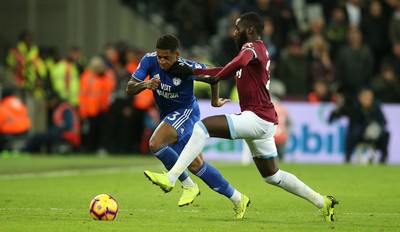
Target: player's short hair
253, 19
167, 42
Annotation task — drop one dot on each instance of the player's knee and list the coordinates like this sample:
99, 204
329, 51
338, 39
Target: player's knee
154, 145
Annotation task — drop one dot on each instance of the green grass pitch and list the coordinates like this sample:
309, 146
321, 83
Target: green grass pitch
52, 193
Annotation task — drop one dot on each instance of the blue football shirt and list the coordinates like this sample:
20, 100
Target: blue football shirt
175, 91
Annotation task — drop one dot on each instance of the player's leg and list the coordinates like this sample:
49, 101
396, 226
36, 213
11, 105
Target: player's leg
214, 179
264, 152
167, 140
292, 184
159, 145
217, 125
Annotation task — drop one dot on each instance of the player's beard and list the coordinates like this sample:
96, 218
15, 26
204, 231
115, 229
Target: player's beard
240, 40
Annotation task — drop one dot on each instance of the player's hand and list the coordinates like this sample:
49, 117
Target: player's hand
153, 83
212, 80
220, 102
181, 68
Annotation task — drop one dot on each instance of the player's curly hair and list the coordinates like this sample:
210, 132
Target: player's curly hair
253, 19
167, 42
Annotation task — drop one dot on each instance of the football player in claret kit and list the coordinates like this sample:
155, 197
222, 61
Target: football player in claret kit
179, 111
256, 123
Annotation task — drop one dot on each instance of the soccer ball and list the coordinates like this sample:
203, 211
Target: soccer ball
103, 207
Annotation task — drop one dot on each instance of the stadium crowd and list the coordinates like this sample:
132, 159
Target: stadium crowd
321, 51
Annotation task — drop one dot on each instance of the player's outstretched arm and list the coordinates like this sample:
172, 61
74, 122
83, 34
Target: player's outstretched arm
216, 101
181, 68
212, 80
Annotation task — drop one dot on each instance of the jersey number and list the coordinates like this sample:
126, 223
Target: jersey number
239, 73
173, 117
267, 68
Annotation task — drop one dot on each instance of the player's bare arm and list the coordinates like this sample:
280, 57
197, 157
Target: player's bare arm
216, 101
134, 86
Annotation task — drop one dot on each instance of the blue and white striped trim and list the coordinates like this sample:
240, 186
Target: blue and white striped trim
201, 171
182, 119
161, 150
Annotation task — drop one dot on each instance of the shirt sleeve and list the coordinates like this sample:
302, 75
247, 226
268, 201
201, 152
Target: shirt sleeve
197, 66
240, 61
143, 69
207, 71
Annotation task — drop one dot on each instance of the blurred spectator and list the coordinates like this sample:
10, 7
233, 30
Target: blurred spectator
14, 119
336, 30
110, 55
321, 92
64, 130
280, 13
386, 85
29, 72
65, 77
225, 51
97, 83
354, 12
121, 119
270, 40
50, 56
354, 64
320, 64
75, 56
132, 57
316, 28
223, 43
393, 58
225, 47
25, 63
225, 7
142, 103
190, 16
293, 70
375, 31
394, 23
367, 124
305, 11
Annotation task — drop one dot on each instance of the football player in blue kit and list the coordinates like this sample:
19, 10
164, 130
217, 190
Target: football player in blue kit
179, 111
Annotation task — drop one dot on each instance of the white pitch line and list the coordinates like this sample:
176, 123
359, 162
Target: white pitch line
74, 172
52, 174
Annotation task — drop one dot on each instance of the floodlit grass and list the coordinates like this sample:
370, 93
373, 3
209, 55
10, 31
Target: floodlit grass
52, 193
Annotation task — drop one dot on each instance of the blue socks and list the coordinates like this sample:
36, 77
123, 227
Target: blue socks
210, 175
168, 157
213, 178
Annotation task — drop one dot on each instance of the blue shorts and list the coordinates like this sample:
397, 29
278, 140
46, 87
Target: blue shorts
182, 120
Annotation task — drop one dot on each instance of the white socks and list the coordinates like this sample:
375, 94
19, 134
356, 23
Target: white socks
236, 197
190, 152
292, 184
188, 182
